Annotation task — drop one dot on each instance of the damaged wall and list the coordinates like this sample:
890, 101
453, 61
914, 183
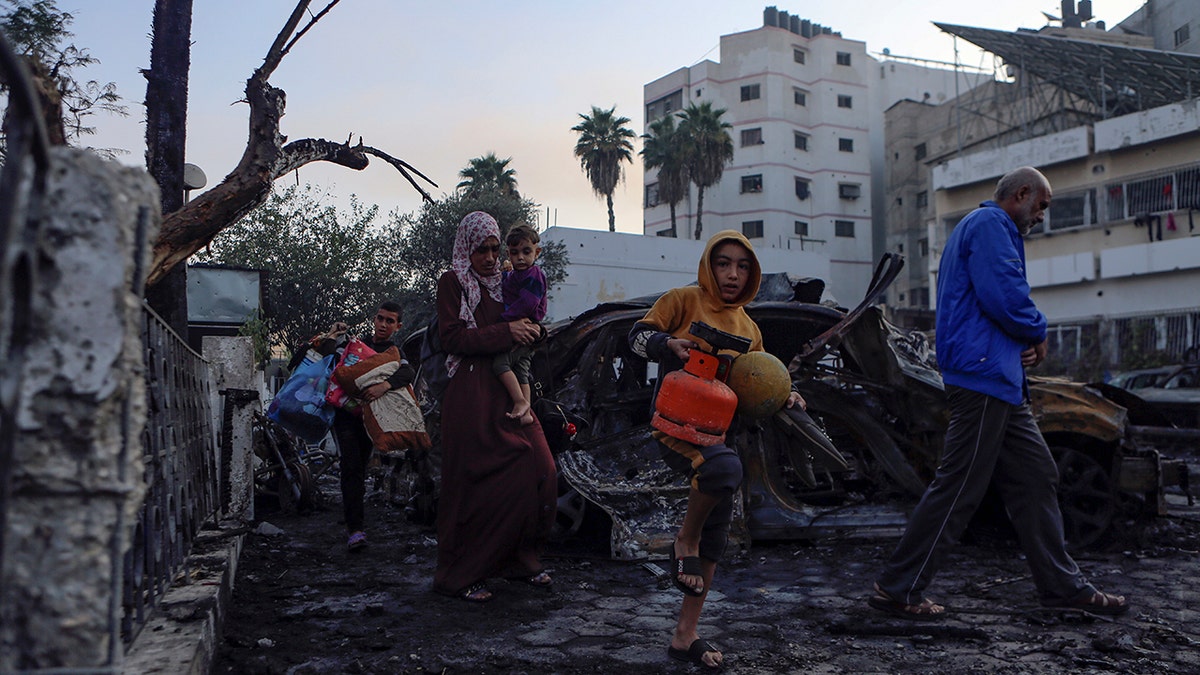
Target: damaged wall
77, 470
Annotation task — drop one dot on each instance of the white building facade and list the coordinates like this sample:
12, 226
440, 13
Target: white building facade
806, 109
615, 266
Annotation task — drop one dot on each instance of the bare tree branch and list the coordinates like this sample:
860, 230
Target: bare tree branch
304, 30
275, 53
266, 158
403, 167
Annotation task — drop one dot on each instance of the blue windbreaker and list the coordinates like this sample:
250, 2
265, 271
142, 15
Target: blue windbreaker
985, 317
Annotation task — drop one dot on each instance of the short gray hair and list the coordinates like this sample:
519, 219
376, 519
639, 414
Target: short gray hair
1012, 182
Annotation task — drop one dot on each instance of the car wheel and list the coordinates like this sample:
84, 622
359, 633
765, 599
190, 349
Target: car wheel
1085, 496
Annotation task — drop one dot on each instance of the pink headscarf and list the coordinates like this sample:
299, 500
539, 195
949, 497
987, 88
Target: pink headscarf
474, 229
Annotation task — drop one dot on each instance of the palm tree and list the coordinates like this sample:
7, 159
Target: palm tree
710, 148
665, 149
603, 144
489, 173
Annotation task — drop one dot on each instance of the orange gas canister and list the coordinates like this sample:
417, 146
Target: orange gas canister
694, 404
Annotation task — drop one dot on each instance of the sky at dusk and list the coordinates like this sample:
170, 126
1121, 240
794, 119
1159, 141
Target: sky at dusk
437, 83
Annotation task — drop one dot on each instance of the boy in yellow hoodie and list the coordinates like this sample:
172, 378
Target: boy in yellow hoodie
729, 276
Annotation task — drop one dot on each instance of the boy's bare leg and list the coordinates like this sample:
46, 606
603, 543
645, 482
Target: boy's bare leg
687, 627
687, 543
527, 418
520, 402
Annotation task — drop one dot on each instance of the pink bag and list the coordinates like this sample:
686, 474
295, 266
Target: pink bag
355, 351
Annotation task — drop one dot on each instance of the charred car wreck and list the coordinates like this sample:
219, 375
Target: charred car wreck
874, 391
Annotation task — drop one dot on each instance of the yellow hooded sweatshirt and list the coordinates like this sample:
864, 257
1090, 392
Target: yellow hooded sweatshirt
675, 310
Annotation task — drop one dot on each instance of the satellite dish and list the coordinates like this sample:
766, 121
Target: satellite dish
193, 177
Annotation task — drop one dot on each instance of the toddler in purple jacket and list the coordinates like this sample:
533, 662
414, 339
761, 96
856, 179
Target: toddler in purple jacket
523, 290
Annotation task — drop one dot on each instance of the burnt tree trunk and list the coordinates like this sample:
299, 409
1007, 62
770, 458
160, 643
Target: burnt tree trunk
166, 134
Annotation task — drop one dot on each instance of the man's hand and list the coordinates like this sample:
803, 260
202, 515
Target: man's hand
682, 347
337, 330
795, 399
524, 331
375, 391
1034, 355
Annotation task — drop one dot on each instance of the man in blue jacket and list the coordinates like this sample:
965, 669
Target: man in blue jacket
988, 332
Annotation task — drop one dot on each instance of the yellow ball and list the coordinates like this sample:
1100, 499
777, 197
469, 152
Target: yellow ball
761, 382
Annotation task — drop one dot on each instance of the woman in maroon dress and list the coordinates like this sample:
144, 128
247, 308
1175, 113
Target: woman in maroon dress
498, 478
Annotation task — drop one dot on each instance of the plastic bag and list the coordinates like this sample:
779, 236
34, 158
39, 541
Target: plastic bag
300, 405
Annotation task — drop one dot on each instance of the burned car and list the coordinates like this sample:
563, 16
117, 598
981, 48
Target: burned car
873, 390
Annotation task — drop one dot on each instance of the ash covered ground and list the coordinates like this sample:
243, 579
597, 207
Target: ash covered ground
302, 604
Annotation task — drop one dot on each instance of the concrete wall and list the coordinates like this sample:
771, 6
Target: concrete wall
613, 266
77, 474
1161, 18
231, 365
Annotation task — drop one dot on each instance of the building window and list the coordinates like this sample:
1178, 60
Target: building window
665, 105
846, 144
752, 183
801, 228
845, 101
849, 190
921, 152
798, 55
753, 229
801, 140
1182, 34
843, 228
802, 185
923, 247
1073, 209
843, 58
750, 92
922, 199
652, 195
752, 136
920, 297
800, 97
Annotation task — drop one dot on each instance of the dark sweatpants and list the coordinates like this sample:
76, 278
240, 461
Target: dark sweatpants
354, 448
988, 438
719, 474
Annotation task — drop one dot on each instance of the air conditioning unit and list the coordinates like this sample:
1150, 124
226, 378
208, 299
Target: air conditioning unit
849, 191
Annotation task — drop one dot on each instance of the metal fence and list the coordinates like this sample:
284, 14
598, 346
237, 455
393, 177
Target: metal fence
1085, 350
180, 467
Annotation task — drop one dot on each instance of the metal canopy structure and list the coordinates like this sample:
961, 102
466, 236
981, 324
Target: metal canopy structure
1115, 78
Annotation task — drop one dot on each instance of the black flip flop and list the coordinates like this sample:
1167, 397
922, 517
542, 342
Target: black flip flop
688, 564
694, 653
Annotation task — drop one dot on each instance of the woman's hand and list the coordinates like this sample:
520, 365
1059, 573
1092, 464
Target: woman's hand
795, 399
682, 347
524, 331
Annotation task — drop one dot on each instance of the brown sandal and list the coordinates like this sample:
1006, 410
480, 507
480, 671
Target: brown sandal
926, 610
1095, 602
477, 593
540, 580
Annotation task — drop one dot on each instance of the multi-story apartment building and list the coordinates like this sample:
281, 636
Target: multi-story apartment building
806, 109
1114, 125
